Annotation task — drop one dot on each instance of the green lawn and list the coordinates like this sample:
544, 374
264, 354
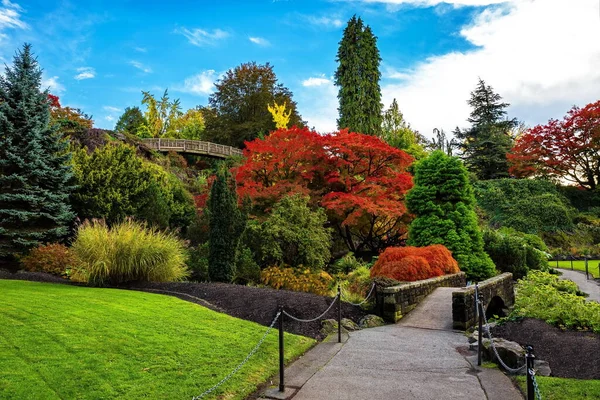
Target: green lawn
579, 265
564, 389
66, 342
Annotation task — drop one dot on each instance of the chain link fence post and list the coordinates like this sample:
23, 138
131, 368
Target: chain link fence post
281, 352
529, 359
339, 295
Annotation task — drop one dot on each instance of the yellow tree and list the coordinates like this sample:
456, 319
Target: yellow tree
280, 117
161, 116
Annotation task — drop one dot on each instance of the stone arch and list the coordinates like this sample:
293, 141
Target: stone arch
496, 306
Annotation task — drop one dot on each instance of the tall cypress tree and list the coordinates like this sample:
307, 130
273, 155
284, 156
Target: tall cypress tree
358, 78
226, 224
486, 143
35, 173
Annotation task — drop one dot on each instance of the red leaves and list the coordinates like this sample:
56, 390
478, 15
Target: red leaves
53, 101
568, 149
359, 179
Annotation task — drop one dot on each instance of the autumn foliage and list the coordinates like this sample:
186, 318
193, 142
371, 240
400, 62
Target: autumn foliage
360, 180
415, 263
567, 149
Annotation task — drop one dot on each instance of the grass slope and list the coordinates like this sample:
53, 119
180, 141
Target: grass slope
65, 342
564, 389
579, 265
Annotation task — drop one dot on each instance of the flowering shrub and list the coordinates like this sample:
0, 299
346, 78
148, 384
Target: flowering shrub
415, 263
54, 258
297, 279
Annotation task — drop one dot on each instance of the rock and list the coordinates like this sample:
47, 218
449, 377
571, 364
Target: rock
542, 368
349, 324
511, 353
371, 321
328, 326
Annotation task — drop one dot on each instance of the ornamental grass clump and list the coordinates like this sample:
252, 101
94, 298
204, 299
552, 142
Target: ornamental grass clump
129, 251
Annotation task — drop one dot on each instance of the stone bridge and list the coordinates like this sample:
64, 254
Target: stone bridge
498, 294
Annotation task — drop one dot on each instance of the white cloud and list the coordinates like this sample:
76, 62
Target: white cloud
141, 49
52, 84
141, 66
10, 16
200, 37
316, 81
430, 3
109, 118
259, 41
201, 84
85, 73
324, 21
541, 56
112, 109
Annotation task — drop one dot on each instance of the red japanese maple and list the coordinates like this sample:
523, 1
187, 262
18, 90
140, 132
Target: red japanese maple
567, 149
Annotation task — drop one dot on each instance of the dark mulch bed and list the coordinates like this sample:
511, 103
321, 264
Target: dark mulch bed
260, 304
571, 354
245, 302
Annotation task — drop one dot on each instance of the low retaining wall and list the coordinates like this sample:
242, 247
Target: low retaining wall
498, 288
395, 301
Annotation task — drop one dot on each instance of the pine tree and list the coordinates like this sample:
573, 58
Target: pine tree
487, 142
34, 163
226, 224
358, 78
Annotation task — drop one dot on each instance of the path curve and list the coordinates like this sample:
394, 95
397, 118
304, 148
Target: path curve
590, 286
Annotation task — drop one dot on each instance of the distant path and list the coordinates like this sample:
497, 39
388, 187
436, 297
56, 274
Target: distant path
192, 147
590, 286
435, 312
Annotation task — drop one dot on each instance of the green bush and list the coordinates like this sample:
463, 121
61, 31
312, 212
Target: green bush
247, 270
516, 254
345, 265
443, 202
544, 296
198, 263
129, 251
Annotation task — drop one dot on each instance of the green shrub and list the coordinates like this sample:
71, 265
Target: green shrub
345, 265
198, 263
443, 202
53, 258
247, 270
129, 251
514, 252
544, 296
297, 279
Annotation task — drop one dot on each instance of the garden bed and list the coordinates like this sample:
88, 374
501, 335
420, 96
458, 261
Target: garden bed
571, 354
245, 302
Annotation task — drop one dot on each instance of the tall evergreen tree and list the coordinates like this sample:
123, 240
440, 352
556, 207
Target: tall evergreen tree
34, 162
358, 78
131, 121
226, 224
487, 142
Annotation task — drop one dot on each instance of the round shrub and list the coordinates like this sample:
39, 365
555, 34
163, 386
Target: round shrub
410, 268
415, 263
297, 279
53, 258
129, 251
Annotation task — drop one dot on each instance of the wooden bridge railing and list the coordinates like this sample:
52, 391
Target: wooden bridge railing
193, 147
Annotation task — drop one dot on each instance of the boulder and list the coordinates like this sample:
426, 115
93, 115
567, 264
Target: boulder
329, 326
371, 321
511, 353
349, 324
542, 368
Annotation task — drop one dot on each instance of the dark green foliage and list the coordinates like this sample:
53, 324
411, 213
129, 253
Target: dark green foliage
227, 224
246, 269
358, 78
130, 121
583, 200
35, 173
238, 111
515, 252
486, 143
198, 263
526, 205
114, 183
293, 235
443, 202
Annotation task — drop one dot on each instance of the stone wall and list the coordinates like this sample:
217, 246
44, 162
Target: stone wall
395, 301
463, 300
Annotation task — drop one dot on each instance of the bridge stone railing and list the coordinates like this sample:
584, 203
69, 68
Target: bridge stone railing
498, 292
193, 147
395, 301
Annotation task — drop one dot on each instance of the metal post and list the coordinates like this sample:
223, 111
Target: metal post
571, 262
480, 338
587, 276
529, 359
281, 350
339, 293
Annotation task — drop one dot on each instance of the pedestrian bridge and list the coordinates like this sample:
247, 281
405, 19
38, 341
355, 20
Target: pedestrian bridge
192, 147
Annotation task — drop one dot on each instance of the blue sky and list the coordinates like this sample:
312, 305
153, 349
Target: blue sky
99, 55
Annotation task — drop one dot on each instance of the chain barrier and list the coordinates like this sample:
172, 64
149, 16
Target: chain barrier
366, 298
314, 319
236, 369
489, 334
538, 394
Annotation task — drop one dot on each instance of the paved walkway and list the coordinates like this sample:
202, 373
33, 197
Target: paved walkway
417, 358
590, 286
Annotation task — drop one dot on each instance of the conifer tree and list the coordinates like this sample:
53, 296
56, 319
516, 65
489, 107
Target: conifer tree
226, 224
358, 78
487, 142
34, 162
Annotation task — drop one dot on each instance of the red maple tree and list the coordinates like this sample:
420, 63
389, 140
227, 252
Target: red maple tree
360, 180
567, 149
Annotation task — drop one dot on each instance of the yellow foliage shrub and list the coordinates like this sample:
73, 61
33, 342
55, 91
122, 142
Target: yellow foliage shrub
299, 280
